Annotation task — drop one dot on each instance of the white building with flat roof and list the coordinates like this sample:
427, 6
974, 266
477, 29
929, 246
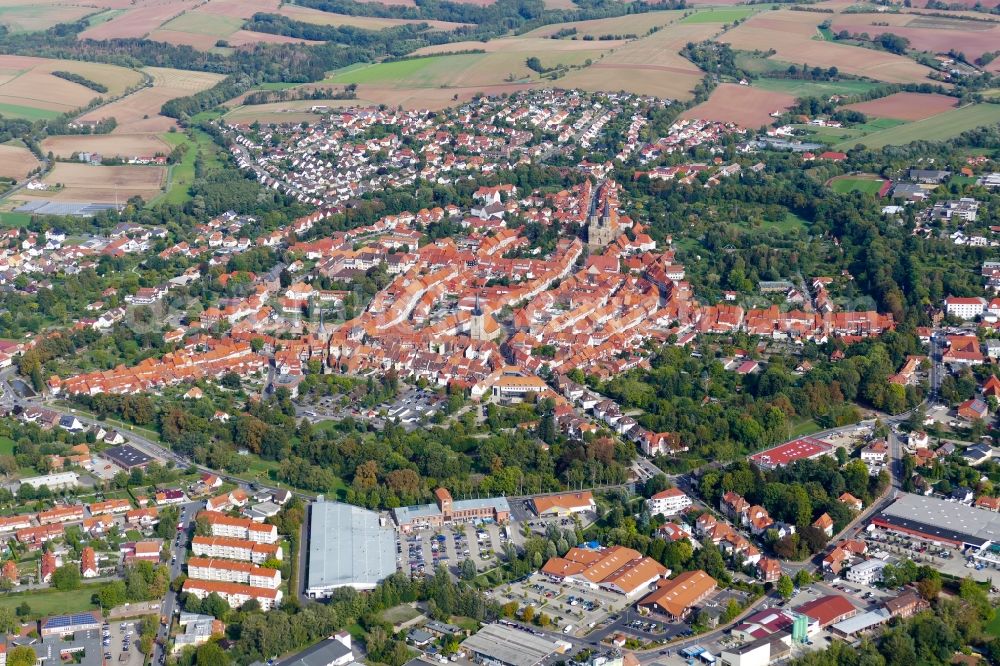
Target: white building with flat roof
866, 573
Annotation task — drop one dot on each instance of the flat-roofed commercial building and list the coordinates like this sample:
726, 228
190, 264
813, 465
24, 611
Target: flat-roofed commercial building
940, 521
502, 645
448, 510
348, 547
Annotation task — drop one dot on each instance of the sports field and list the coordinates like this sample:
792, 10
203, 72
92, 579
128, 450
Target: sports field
867, 183
936, 128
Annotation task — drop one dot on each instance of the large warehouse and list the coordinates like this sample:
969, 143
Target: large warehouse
348, 547
503, 645
940, 521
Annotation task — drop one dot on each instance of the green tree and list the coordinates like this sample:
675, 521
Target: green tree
67, 577
9, 624
22, 655
785, 587
210, 654
468, 569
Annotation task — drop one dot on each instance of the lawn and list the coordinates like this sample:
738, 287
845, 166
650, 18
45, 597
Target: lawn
11, 219
943, 126
804, 427
6, 446
849, 135
103, 17
400, 614
27, 112
815, 88
52, 602
787, 224
993, 628
859, 184
720, 15
181, 175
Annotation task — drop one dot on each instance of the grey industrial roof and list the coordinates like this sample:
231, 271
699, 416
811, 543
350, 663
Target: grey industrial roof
949, 520
321, 654
348, 546
127, 456
508, 645
862, 622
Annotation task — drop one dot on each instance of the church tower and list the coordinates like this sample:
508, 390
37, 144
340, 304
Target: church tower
601, 230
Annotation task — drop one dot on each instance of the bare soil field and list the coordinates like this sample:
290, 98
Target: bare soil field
16, 161
317, 17
139, 20
791, 33
109, 145
28, 82
248, 38
650, 66
747, 107
243, 9
139, 113
927, 33
906, 106
194, 40
99, 184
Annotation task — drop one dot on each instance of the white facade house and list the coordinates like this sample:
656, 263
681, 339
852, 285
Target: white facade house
668, 502
234, 572
965, 308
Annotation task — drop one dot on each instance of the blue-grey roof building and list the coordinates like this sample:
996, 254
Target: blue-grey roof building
348, 547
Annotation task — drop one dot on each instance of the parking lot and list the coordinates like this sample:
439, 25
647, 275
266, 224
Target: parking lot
584, 609
422, 551
120, 642
945, 559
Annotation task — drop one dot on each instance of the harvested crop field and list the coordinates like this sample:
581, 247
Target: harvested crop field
648, 66
101, 184
943, 126
27, 83
16, 161
39, 16
139, 112
317, 17
906, 106
790, 34
292, 111
139, 20
638, 24
743, 105
468, 70
108, 145
928, 33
